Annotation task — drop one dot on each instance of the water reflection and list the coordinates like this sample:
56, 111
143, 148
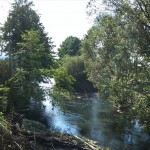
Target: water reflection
58, 120
97, 120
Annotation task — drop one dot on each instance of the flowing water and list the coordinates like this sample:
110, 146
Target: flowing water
96, 119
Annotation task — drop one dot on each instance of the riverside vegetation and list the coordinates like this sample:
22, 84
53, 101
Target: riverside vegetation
112, 59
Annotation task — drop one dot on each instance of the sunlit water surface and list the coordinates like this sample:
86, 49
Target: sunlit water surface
97, 120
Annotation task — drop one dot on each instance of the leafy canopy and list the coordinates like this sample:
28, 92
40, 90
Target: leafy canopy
70, 46
20, 19
116, 51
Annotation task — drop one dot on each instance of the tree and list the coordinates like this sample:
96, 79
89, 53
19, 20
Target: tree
76, 68
63, 88
4, 91
4, 71
138, 12
29, 51
21, 18
24, 85
70, 46
120, 68
71, 77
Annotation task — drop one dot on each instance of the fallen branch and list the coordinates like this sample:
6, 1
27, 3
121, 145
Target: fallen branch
52, 145
18, 145
86, 143
58, 140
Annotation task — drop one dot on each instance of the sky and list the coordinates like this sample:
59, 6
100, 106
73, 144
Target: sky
61, 18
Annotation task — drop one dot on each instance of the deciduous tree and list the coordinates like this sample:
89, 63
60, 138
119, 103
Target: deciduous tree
70, 46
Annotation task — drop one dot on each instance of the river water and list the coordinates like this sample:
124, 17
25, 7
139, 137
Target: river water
96, 119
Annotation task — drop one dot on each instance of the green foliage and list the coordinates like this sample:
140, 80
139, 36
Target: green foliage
29, 51
22, 18
4, 71
4, 90
72, 69
116, 53
4, 125
70, 46
75, 67
63, 88
63, 79
24, 84
3, 98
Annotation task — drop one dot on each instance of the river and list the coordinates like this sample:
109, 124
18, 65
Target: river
96, 119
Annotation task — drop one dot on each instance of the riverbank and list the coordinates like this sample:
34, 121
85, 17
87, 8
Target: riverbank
93, 118
46, 141
33, 135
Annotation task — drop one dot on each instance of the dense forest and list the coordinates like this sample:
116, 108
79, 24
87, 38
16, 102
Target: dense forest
113, 59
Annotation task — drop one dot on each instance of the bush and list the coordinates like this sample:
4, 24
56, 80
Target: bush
4, 125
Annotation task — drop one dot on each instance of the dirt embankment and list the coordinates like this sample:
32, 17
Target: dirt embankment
31, 135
